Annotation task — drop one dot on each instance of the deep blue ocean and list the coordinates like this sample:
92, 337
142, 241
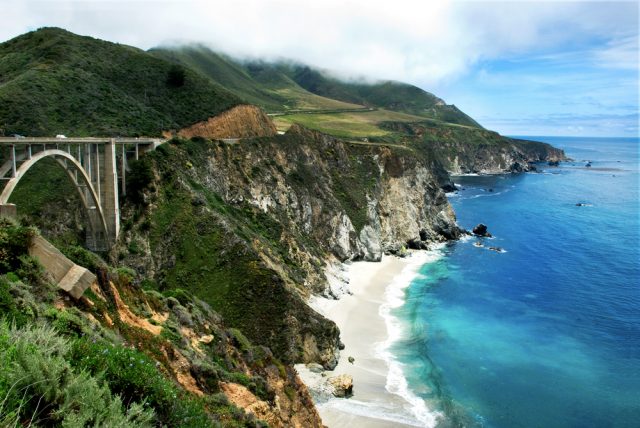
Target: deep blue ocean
547, 333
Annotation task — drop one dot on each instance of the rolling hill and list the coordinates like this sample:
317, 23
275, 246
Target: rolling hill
284, 87
56, 82
260, 83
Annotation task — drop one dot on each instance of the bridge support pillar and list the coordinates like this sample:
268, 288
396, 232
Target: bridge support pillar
96, 240
109, 199
8, 210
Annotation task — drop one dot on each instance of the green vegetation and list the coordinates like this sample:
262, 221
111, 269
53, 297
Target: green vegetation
214, 250
55, 82
132, 375
39, 386
346, 125
289, 87
388, 95
261, 84
60, 368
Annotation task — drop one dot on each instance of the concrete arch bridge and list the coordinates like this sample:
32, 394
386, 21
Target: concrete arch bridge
96, 166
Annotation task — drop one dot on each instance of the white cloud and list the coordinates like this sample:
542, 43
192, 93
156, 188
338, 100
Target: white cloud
418, 41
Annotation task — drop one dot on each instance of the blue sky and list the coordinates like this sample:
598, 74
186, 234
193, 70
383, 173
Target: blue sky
583, 86
518, 67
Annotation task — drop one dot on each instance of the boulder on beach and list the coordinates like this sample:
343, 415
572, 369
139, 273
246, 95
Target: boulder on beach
315, 368
481, 230
416, 244
342, 386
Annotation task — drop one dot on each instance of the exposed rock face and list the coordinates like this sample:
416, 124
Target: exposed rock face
509, 156
481, 230
473, 150
243, 121
306, 187
294, 202
296, 411
342, 385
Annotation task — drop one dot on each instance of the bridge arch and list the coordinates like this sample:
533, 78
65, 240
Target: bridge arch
76, 173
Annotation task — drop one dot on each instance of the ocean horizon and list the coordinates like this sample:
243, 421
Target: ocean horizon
540, 324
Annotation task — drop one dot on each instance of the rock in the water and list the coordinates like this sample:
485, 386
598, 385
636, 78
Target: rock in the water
554, 163
448, 187
481, 230
351, 360
517, 167
342, 386
588, 165
497, 249
477, 244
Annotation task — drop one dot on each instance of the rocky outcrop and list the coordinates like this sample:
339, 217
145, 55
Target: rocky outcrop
243, 121
464, 150
270, 214
353, 202
341, 386
506, 156
481, 230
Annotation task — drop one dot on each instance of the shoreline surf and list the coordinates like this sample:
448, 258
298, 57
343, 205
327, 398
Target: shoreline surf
381, 395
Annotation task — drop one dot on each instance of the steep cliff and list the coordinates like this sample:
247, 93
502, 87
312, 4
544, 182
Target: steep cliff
243, 121
144, 358
251, 227
464, 150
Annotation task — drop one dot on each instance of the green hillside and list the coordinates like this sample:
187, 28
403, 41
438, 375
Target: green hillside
55, 82
258, 83
389, 95
224, 71
287, 87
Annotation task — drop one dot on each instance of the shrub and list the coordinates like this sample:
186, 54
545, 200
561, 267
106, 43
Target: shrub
83, 257
8, 307
139, 179
125, 274
132, 374
38, 385
176, 76
14, 242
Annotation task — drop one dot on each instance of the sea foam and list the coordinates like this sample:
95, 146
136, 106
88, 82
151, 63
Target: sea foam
394, 298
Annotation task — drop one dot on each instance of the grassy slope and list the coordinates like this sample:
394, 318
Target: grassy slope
210, 245
268, 89
287, 87
388, 95
346, 125
222, 70
56, 82
55, 353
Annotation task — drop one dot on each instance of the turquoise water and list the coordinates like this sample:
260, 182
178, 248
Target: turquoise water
546, 334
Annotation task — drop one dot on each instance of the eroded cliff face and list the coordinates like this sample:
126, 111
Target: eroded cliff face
243, 121
251, 227
351, 202
463, 150
505, 156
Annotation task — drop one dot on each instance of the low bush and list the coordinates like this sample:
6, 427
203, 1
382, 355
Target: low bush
38, 386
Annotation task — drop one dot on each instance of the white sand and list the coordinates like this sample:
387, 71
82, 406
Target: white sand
364, 331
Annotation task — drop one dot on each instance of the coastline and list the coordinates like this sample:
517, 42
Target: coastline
381, 397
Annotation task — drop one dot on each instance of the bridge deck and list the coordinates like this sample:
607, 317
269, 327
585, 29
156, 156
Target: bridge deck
74, 140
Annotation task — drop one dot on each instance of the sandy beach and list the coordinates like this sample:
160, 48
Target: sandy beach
365, 328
